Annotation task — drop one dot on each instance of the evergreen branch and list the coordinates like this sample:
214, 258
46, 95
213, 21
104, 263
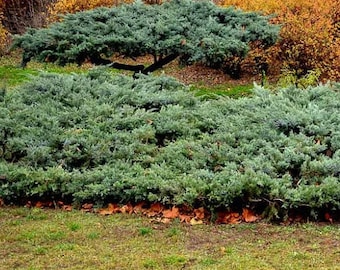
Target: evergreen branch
100, 61
160, 63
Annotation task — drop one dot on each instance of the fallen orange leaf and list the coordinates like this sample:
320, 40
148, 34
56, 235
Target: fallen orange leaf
228, 218
328, 217
185, 218
165, 220
39, 205
111, 208
194, 221
199, 213
139, 208
67, 207
28, 204
155, 209
127, 209
234, 218
43, 204
87, 206
249, 216
104, 212
171, 213
60, 203
161, 220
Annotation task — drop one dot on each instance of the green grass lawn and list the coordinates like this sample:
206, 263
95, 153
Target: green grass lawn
233, 91
11, 75
53, 239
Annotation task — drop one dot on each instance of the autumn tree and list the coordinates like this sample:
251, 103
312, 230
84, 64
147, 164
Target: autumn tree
18, 15
309, 37
193, 31
73, 6
3, 31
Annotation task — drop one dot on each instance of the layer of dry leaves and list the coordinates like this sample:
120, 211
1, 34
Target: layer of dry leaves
160, 213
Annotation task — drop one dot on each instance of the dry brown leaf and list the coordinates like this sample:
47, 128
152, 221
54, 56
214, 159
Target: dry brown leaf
249, 216
67, 208
40, 204
328, 217
199, 213
185, 218
105, 212
228, 218
28, 204
126, 209
155, 209
165, 220
234, 218
139, 208
194, 222
111, 209
160, 220
171, 213
222, 217
87, 206
60, 204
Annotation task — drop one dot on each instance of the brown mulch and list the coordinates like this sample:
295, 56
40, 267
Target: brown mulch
194, 74
199, 74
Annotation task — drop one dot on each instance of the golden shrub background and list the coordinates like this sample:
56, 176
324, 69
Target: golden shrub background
310, 34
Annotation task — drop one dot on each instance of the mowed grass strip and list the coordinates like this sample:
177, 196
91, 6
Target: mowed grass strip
53, 239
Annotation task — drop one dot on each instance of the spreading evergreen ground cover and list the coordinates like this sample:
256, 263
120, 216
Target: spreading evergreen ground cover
94, 137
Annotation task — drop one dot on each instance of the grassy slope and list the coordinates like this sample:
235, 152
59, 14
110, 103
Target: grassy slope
51, 239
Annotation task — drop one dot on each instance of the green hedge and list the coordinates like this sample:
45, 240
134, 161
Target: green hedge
100, 138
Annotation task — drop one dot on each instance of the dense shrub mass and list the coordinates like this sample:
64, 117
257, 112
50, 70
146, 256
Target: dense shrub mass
100, 138
194, 31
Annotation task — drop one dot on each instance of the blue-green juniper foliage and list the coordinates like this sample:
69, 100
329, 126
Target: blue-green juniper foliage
102, 139
194, 31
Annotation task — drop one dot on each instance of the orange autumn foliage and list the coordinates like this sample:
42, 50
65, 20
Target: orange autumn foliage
73, 6
310, 34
